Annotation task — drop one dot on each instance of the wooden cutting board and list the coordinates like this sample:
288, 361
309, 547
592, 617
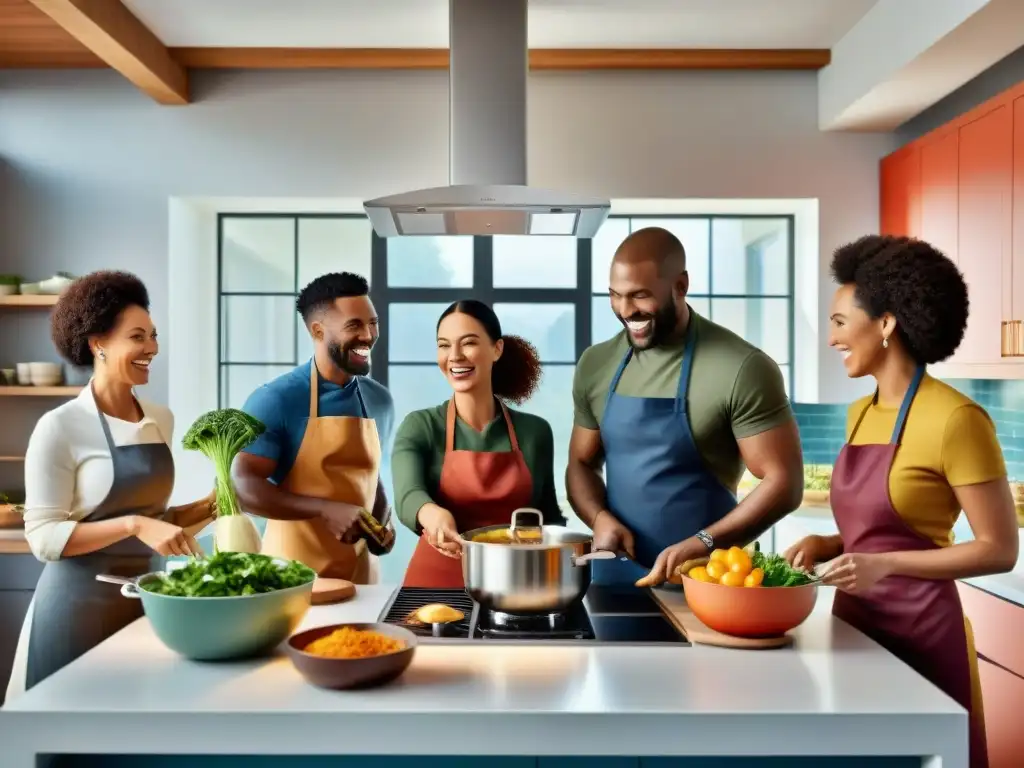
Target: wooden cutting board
329, 591
698, 632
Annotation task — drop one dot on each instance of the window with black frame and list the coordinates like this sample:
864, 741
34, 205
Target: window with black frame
550, 290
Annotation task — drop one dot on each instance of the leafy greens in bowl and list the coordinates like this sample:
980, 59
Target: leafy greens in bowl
233, 605
230, 574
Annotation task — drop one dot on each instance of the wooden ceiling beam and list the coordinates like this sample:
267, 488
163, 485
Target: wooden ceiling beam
116, 36
541, 59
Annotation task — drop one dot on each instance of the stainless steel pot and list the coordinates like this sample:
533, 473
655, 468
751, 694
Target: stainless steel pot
541, 568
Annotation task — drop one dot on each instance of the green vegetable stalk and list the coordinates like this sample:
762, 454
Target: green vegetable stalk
221, 435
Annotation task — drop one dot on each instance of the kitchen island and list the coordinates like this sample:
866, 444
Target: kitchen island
832, 699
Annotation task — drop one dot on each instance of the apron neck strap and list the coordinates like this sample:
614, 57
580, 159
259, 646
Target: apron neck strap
687, 366
511, 430
901, 417
314, 393
684, 372
314, 387
908, 398
103, 419
449, 429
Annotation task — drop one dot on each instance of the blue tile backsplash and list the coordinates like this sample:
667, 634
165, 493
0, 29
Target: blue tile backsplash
823, 426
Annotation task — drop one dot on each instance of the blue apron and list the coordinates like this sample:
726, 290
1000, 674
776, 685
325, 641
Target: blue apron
657, 483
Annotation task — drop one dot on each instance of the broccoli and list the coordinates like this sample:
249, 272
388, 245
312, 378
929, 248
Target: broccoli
221, 435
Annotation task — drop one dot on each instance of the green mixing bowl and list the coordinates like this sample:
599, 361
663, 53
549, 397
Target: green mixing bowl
219, 628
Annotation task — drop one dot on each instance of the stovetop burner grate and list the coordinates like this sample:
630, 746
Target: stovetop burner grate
408, 599
572, 626
627, 617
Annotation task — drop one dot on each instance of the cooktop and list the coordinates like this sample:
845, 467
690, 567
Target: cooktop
606, 615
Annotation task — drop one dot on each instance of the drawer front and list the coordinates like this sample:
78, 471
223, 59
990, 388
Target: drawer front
998, 627
1002, 693
19, 571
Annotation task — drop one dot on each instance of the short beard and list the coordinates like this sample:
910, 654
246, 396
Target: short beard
341, 356
665, 322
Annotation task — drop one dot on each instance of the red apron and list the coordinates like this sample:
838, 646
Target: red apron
920, 621
479, 488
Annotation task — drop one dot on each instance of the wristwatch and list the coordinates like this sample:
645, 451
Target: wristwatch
706, 539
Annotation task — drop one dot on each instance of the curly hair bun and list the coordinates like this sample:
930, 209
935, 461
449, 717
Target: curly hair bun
916, 283
518, 371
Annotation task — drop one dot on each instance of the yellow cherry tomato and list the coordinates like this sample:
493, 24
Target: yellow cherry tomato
699, 573
719, 554
716, 569
754, 578
731, 579
739, 561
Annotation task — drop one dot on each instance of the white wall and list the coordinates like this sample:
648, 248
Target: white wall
87, 163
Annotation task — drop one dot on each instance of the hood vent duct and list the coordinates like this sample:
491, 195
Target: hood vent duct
487, 192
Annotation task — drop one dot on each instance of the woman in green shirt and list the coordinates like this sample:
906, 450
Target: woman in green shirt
472, 461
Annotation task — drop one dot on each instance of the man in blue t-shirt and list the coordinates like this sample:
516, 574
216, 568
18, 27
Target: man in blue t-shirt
315, 472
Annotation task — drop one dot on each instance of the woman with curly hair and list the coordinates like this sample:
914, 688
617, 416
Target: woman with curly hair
472, 461
917, 453
98, 476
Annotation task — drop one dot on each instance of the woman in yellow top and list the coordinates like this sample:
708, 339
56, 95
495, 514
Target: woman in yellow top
917, 453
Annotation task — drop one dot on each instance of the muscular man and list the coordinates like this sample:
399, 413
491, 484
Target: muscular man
316, 469
674, 406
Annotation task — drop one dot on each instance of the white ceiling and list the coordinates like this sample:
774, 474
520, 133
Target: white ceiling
552, 23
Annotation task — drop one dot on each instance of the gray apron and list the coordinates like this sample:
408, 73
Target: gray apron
72, 611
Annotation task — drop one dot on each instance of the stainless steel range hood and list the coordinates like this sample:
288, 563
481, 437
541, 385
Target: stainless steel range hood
487, 143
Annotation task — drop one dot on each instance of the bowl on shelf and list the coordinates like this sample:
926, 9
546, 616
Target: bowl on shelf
53, 286
749, 611
45, 374
24, 373
361, 672
31, 289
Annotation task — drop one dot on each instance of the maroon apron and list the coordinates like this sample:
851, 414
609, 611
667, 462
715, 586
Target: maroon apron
920, 621
479, 488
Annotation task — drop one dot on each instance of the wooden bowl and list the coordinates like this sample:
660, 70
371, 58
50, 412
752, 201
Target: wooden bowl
749, 611
351, 673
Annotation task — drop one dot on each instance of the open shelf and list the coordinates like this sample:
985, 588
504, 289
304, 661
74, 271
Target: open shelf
11, 459
28, 300
29, 391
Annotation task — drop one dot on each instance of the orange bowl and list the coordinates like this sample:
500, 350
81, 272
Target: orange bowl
749, 611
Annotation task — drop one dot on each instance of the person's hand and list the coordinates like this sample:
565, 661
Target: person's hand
383, 547
808, 552
165, 538
856, 572
440, 531
671, 558
342, 520
611, 535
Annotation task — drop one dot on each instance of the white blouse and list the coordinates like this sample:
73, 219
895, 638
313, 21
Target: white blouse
68, 470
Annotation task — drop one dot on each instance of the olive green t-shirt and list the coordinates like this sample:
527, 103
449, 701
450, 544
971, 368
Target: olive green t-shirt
735, 391
418, 453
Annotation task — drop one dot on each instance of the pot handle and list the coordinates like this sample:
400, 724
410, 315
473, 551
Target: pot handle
529, 511
599, 554
128, 586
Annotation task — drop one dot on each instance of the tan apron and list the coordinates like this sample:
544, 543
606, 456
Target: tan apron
339, 460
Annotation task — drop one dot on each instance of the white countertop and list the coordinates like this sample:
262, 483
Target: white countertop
1009, 586
833, 693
